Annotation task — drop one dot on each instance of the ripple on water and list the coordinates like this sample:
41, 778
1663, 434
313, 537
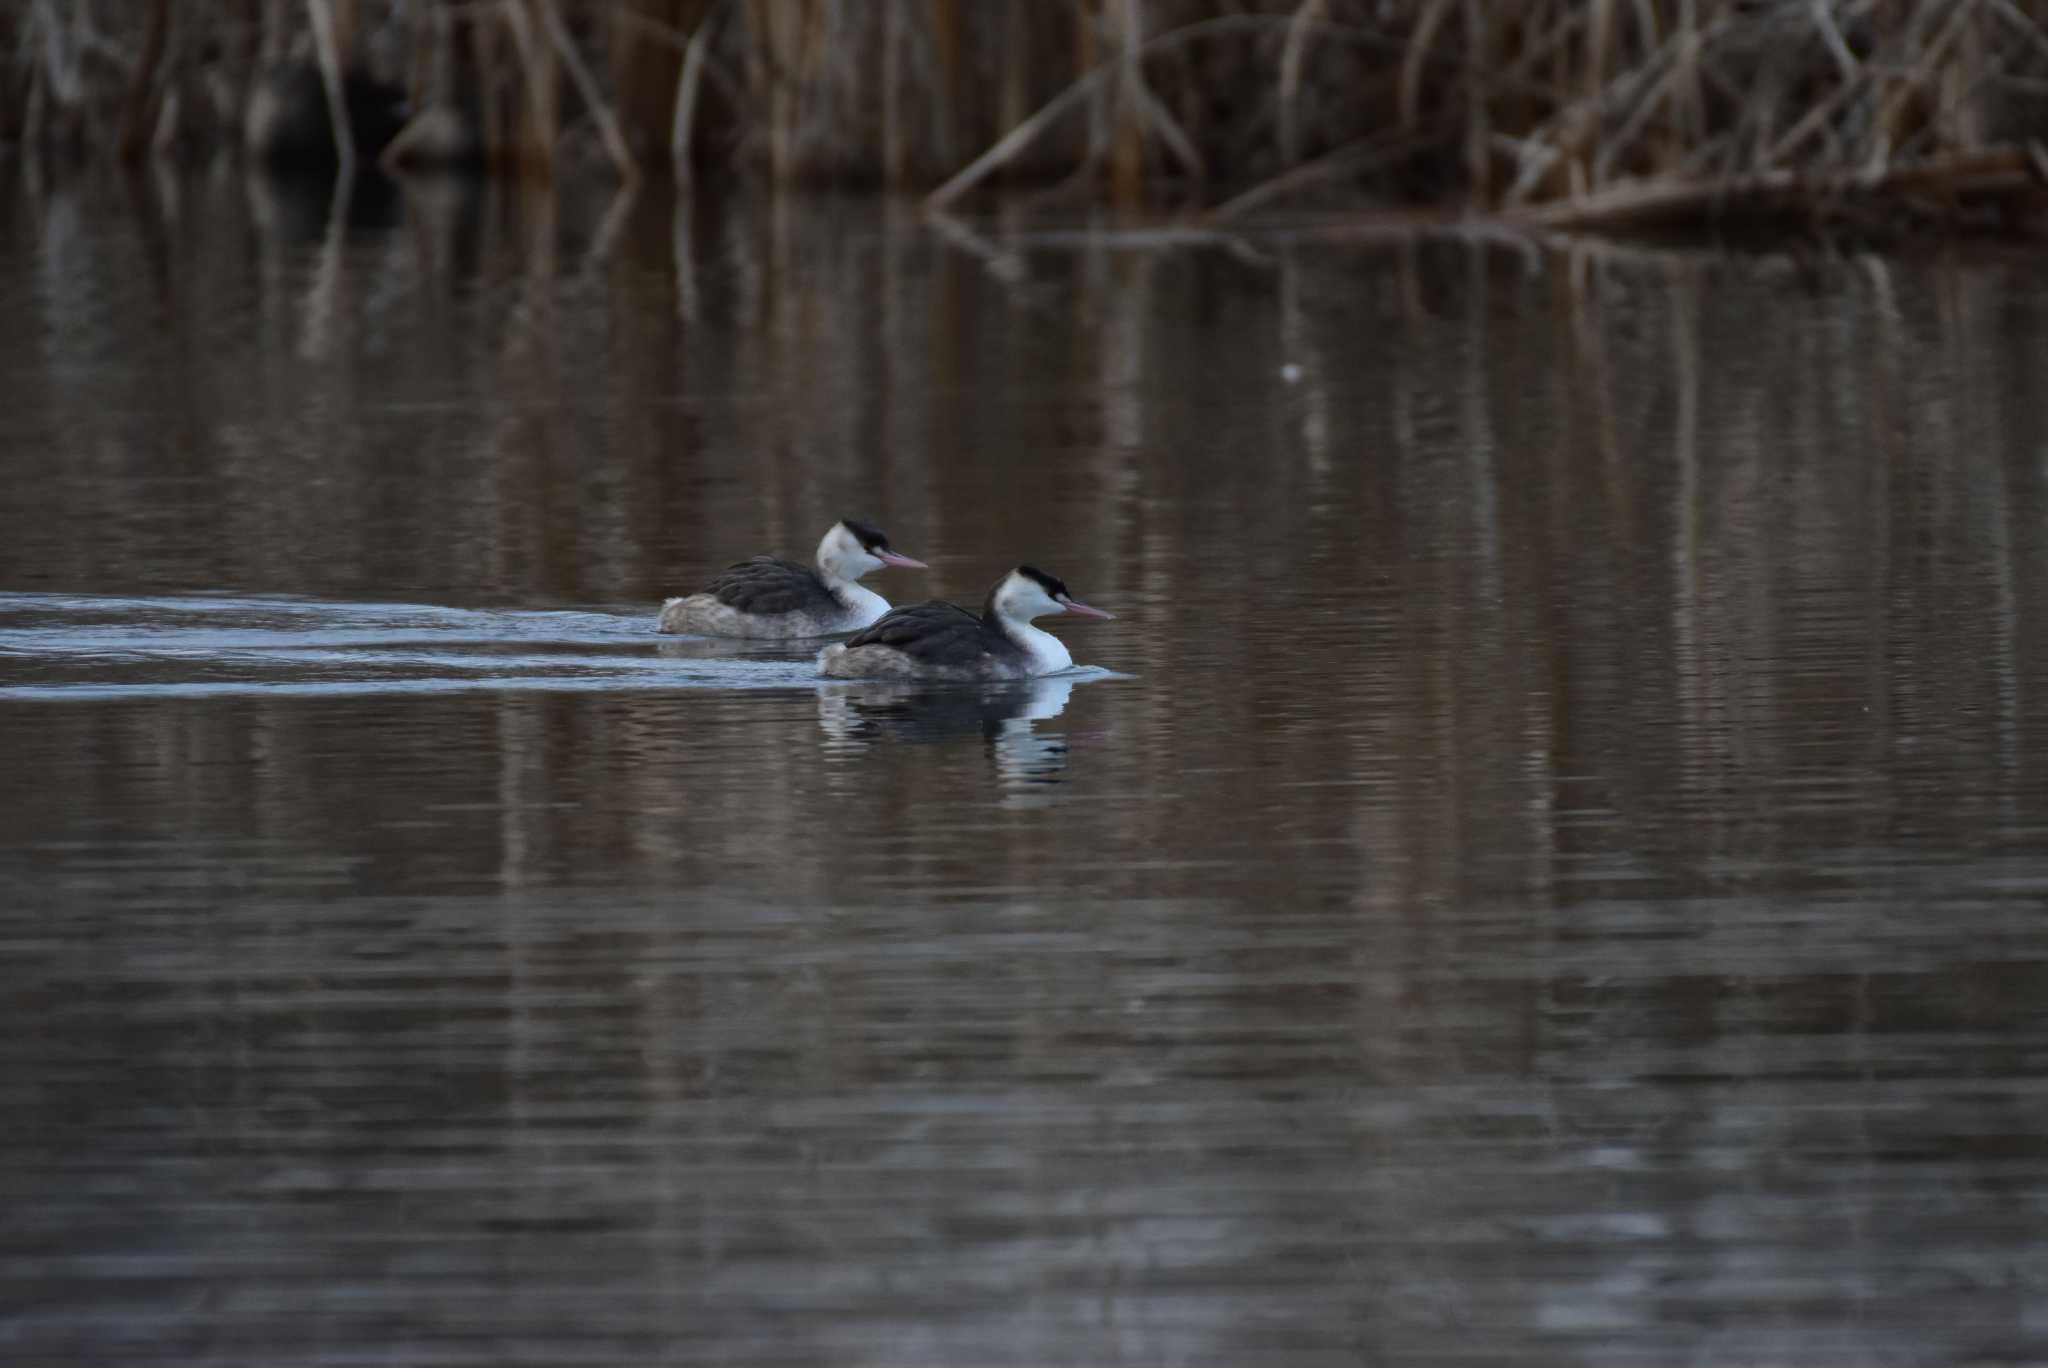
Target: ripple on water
56, 647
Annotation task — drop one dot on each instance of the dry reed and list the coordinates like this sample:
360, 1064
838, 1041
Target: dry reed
1566, 112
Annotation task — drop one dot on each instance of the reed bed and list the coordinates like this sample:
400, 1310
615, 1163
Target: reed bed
1616, 113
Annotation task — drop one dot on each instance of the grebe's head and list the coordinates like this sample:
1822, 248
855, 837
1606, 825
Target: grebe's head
852, 548
1028, 592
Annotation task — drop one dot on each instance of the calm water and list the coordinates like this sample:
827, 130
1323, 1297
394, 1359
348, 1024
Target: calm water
1547, 866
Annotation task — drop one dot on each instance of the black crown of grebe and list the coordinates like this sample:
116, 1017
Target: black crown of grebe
768, 597
944, 641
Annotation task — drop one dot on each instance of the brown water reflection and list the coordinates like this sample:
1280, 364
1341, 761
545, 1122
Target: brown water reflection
1557, 881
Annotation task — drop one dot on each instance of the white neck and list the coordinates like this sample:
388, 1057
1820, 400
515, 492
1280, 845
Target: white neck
865, 604
1016, 601
1048, 653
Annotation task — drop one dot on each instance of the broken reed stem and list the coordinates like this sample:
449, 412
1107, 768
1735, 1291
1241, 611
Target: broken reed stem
2027, 28
536, 148
1292, 54
1889, 112
586, 86
327, 46
1380, 149
137, 122
1127, 139
2003, 174
1478, 116
1433, 15
1013, 143
688, 83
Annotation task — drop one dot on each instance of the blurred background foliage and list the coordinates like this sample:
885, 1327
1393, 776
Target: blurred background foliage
1609, 111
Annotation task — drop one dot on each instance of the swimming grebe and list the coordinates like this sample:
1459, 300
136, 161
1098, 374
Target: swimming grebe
771, 597
943, 641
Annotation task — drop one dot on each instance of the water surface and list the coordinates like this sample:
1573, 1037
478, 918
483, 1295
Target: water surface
1545, 868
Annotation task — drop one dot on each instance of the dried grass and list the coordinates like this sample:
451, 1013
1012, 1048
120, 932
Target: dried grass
1564, 111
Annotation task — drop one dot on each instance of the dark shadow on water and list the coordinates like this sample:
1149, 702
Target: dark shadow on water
858, 715
299, 207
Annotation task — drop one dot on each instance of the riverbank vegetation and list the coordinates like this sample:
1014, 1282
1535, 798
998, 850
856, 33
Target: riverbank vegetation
1615, 113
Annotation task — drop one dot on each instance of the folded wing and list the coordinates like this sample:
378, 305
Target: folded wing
768, 585
936, 632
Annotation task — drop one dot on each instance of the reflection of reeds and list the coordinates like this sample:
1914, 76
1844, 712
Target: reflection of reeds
1667, 520
1566, 111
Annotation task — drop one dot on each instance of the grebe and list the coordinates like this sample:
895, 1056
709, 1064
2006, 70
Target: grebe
771, 597
943, 641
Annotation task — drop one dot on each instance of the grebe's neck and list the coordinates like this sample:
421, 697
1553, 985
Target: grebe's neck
1009, 610
1048, 653
865, 605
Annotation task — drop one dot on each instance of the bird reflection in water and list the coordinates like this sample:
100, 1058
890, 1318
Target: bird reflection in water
1028, 763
